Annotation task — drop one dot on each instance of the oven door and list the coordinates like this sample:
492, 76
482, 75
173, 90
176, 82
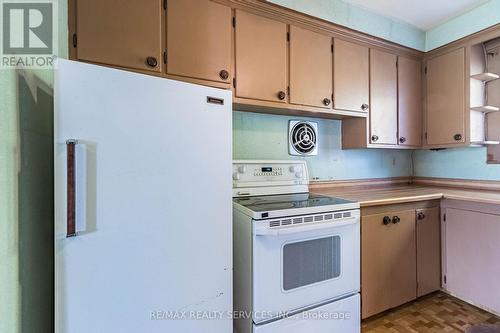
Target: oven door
341, 316
301, 265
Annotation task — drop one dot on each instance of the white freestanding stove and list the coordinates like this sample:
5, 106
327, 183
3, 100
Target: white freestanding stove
296, 254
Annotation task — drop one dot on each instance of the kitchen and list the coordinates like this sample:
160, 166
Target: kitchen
362, 139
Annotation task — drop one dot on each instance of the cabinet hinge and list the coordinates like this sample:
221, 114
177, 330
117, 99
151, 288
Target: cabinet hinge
288, 36
165, 4
444, 217
288, 90
234, 21
332, 48
444, 279
397, 63
425, 70
332, 97
165, 57
75, 40
234, 82
425, 135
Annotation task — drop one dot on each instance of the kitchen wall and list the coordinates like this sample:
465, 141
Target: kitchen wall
354, 17
463, 163
26, 198
260, 136
340, 12
475, 20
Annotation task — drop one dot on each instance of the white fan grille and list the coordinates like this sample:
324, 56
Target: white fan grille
303, 138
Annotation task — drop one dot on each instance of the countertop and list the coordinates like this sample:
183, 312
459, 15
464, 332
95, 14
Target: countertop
408, 193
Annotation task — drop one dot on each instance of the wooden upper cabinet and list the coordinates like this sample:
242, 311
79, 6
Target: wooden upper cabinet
261, 58
383, 98
446, 103
111, 33
310, 68
199, 40
410, 102
428, 251
350, 76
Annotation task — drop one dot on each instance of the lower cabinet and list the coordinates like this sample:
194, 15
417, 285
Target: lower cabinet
471, 247
428, 249
400, 255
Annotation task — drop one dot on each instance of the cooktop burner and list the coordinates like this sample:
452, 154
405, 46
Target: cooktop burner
267, 203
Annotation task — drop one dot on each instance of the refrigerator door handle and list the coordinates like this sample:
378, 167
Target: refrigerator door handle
70, 188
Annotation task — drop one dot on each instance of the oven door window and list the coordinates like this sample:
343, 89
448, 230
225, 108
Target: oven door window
310, 261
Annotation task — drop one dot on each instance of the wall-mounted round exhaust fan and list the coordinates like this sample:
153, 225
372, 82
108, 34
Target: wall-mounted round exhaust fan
302, 138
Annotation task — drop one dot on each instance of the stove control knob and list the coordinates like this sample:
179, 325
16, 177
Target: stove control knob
292, 168
298, 174
242, 169
236, 176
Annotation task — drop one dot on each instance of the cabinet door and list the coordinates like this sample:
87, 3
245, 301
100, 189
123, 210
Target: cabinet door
109, 32
350, 76
410, 102
388, 256
472, 252
261, 58
375, 267
428, 251
310, 68
446, 109
199, 40
403, 259
383, 98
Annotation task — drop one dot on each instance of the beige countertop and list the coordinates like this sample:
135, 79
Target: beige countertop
408, 193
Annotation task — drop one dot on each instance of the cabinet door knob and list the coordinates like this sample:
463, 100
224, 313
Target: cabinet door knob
396, 219
281, 95
326, 101
374, 138
151, 61
364, 107
223, 74
420, 216
457, 137
402, 139
386, 220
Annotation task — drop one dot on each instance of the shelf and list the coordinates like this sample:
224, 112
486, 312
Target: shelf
485, 77
486, 108
485, 143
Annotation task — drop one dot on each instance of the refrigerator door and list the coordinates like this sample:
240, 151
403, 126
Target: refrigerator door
153, 207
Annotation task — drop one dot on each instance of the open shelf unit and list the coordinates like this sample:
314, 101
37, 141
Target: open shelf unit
485, 108
485, 143
485, 77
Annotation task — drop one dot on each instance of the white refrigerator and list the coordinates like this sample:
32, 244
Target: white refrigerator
142, 203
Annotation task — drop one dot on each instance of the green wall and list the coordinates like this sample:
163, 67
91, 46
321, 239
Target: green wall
26, 196
354, 17
260, 136
475, 20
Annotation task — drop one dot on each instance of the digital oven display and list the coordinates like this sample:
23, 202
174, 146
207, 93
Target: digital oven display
267, 169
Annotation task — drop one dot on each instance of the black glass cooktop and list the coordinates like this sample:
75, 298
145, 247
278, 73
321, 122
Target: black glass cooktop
268, 203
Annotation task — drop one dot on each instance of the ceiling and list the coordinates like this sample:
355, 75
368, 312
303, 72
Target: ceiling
424, 14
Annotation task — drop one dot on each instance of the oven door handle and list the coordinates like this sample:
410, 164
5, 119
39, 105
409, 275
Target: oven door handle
305, 228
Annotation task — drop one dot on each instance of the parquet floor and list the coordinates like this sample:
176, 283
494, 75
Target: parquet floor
434, 313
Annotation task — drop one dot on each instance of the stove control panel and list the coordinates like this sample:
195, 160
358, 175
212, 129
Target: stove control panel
250, 173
